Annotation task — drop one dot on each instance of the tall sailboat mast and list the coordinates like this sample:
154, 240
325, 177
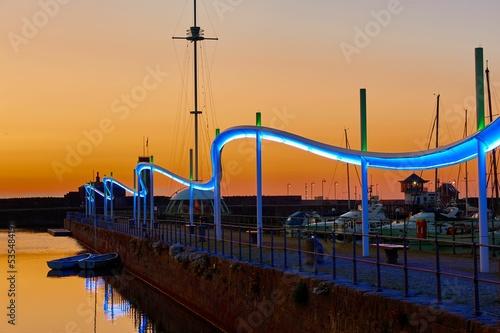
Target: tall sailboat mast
348, 179
436, 179
493, 152
195, 34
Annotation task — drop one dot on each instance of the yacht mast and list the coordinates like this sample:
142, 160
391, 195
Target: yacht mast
493, 152
348, 179
195, 34
436, 180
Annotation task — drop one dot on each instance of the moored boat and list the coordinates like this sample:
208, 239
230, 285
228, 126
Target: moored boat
429, 224
107, 260
67, 262
352, 220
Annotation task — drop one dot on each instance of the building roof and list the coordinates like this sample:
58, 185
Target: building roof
448, 187
413, 178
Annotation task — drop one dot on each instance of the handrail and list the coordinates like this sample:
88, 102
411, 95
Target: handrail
201, 238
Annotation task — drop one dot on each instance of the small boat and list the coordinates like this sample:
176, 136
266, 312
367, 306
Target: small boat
96, 261
352, 220
67, 262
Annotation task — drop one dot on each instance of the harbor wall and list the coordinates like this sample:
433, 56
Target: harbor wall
242, 297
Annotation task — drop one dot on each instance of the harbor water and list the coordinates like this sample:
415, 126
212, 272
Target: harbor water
37, 299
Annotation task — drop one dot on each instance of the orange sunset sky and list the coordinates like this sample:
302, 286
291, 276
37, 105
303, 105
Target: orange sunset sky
84, 83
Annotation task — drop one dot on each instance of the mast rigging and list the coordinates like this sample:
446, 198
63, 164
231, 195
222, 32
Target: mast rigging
195, 34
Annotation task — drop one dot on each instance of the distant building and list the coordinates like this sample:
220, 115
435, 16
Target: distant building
448, 194
416, 193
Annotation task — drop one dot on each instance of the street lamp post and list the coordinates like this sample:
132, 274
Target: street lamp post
288, 189
335, 190
312, 196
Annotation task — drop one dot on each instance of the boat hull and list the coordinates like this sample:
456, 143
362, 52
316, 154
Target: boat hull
67, 262
100, 261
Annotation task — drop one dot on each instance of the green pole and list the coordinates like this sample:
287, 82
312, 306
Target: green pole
362, 97
257, 120
479, 88
217, 131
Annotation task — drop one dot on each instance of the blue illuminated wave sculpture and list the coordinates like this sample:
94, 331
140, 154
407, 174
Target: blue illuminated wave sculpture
455, 153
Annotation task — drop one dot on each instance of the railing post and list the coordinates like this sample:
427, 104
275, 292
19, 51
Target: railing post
438, 272
299, 250
217, 236
231, 241
185, 234
208, 238
477, 311
260, 241
239, 240
354, 268
202, 240
379, 279
315, 259
405, 267
334, 267
272, 247
285, 264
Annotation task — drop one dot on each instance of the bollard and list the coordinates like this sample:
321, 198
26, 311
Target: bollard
314, 248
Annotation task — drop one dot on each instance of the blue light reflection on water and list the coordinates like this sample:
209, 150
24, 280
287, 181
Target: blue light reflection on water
114, 305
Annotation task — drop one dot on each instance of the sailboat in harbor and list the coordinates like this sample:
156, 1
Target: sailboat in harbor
495, 196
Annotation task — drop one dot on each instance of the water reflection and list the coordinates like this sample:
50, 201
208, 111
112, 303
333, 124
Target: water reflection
85, 301
114, 306
150, 310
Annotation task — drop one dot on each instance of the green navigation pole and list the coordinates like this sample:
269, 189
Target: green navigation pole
362, 97
481, 165
479, 88
364, 175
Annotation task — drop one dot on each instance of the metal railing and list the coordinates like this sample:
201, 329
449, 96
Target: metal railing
454, 276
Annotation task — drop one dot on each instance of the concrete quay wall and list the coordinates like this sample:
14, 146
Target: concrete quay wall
242, 297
